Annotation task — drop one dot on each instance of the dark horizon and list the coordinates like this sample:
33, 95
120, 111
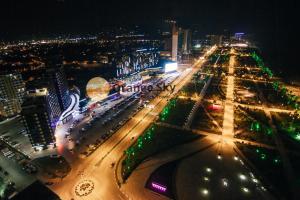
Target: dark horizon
271, 22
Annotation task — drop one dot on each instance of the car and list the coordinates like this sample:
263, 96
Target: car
11, 155
54, 156
112, 165
103, 137
49, 183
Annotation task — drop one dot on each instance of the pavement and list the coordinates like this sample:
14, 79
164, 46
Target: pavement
228, 119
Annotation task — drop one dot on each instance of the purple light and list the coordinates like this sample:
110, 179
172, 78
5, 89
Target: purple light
159, 187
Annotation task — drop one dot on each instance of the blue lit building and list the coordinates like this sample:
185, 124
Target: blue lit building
56, 77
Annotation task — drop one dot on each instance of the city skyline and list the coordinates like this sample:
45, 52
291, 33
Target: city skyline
149, 100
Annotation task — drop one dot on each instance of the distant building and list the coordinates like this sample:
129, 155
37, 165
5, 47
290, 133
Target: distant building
187, 41
184, 41
12, 89
37, 118
56, 77
239, 36
174, 42
215, 39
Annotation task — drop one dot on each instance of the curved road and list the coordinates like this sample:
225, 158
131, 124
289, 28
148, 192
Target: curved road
93, 177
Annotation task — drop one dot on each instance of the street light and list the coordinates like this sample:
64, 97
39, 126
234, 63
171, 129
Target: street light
208, 170
246, 190
205, 192
242, 177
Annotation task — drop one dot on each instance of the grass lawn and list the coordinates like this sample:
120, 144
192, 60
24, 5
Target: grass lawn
177, 111
203, 122
154, 140
254, 126
288, 129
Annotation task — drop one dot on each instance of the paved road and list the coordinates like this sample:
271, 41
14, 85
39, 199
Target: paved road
94, 172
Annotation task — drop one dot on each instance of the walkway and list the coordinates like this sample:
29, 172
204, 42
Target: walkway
228, 121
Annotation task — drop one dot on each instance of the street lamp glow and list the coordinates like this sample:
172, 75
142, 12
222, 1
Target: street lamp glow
255, 180
208, 170
242, 177
246, 190
205, 192
205, 178
236, 158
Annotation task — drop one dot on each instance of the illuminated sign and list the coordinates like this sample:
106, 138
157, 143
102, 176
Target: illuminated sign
159, 187
170, 67
97, 89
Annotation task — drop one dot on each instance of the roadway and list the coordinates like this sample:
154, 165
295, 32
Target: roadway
93, 177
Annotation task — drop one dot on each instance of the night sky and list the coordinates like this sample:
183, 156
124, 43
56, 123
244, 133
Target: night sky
273, 23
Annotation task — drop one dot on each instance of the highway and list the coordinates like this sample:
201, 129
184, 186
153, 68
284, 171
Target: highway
93, 177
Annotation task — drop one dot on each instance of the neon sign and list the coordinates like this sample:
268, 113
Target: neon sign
159, 187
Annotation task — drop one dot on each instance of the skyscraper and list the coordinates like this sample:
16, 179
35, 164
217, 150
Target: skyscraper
52, 98
12, 89
174, 42
37, 119
56, 77
186, 44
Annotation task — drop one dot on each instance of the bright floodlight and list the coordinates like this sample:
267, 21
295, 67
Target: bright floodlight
235, 158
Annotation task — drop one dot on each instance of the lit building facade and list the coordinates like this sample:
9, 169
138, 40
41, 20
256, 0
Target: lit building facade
37, 118
174, 42
136, 61
12, 89
56, 78
187, 41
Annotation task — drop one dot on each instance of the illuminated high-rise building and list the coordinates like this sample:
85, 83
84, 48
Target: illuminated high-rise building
12, 89
186, 44
174, 42
37, 119
56, 77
